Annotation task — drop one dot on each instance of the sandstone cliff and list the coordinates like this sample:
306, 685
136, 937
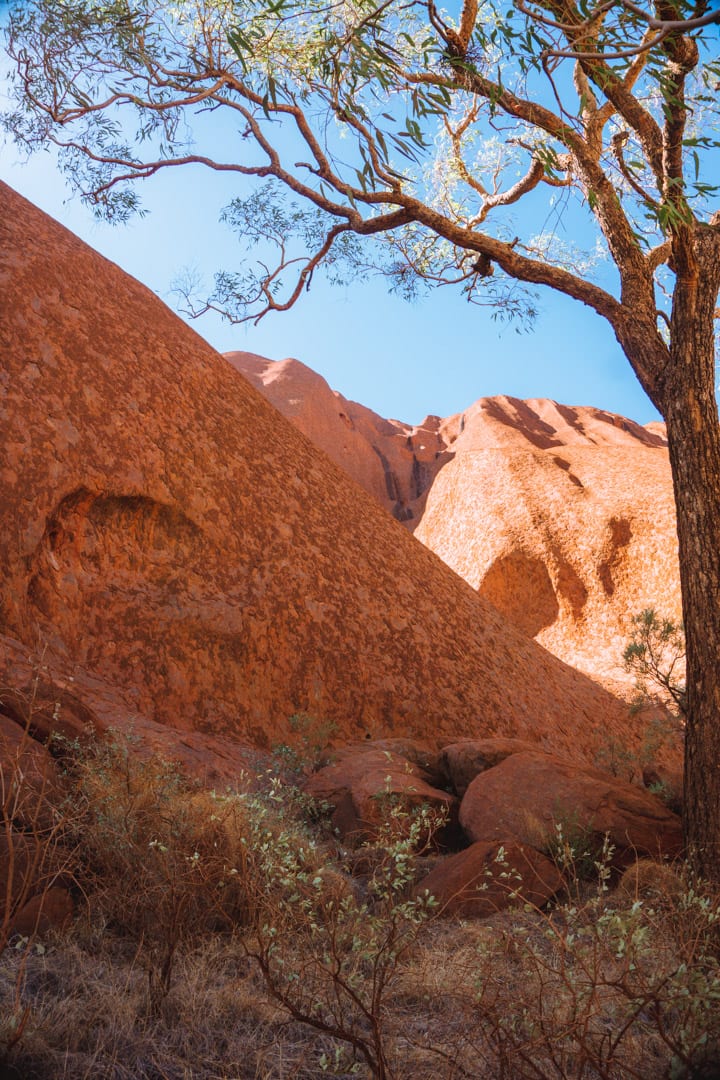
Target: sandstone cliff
172, 548
395, 462
563, 517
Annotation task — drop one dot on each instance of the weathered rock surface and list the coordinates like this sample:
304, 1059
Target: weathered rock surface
173, 550
462, 761
526, 795
350, 764
364, 786
569, 544
36, 703
47, 705
393, 461
562, 517
488, 877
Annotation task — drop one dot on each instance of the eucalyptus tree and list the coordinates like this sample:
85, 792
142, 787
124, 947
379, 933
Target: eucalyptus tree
395, 136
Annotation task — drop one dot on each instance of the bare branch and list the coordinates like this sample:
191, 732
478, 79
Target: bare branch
618, 142
588, 27
659, 255
468, 20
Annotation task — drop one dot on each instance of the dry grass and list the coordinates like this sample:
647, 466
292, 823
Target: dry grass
36, 846
222, 938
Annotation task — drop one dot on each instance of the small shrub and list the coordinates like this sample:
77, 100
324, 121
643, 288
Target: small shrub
163, 861
656, 656
310, 739
331, 961
580, 854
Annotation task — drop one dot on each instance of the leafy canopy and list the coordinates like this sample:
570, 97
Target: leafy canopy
393, 119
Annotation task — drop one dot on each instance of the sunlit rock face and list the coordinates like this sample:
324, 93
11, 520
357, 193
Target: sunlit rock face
395, 462
569, 545
173, 550
562, 517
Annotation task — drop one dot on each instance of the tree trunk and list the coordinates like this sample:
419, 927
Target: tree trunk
691, 414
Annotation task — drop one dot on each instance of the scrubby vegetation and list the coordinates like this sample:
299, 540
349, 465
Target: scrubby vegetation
655, 655
230, 934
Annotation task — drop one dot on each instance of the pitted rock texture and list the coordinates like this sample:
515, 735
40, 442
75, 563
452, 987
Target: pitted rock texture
173, 550
568, 554
562, 517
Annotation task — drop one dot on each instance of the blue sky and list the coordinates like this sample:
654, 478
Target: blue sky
403, 360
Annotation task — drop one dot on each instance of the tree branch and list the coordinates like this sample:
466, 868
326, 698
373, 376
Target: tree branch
606, 80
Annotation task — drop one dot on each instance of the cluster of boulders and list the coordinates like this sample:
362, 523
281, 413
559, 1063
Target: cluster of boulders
496, 813
508, 807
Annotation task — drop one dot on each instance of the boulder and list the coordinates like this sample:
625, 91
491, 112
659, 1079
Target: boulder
51, 910
425, 753
528, 795
350, 765
47, 708
374, 792
487, 877
29, 783
462, 761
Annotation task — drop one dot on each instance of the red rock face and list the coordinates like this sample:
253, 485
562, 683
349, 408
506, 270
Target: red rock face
563, 518
529, 794
173, 550
488, 877
395, 462
568, 545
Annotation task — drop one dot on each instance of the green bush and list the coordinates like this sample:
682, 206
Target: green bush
655, 654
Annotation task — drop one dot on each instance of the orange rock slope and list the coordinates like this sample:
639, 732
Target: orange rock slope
562, 517
172, 549
393, 461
